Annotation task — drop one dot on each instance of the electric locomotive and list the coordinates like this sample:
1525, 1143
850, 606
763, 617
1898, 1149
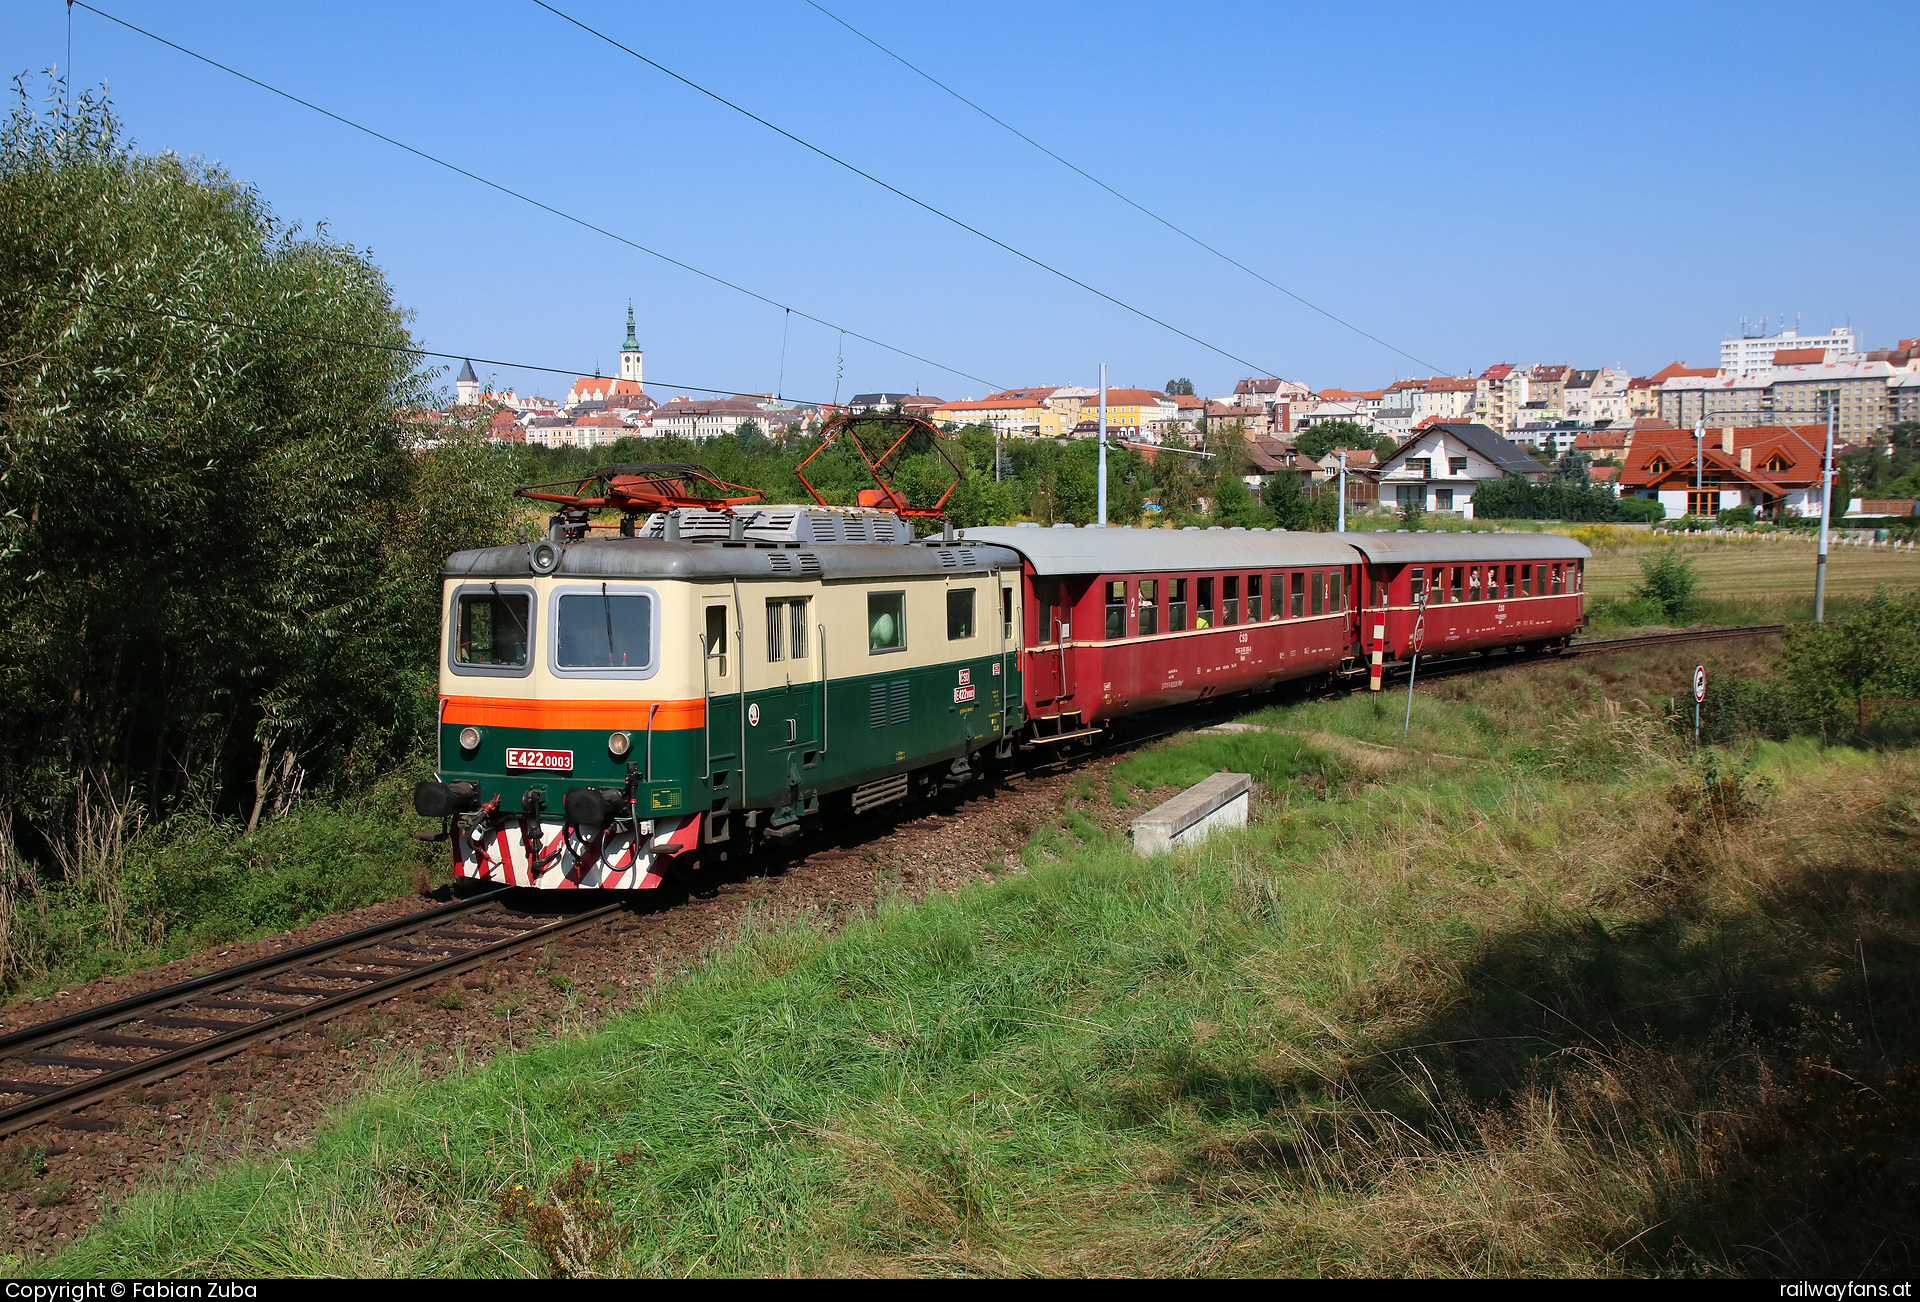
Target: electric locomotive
609, 703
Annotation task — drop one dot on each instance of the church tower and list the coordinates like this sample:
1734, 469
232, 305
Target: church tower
467, 386
630, 352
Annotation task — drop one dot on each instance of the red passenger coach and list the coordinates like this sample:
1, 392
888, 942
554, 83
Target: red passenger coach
1482, 590
1115, 621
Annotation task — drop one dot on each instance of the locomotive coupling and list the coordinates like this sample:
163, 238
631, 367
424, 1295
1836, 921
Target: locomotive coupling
445, 799
592, 808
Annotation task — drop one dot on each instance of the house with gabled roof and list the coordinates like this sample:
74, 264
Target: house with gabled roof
1441, 465
1773, 468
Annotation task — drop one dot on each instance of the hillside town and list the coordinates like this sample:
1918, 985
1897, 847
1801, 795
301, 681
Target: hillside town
1748, 432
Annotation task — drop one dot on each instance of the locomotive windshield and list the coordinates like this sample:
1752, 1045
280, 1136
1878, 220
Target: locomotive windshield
602, 630
493, 629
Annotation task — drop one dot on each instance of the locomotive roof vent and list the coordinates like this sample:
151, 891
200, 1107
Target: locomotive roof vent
796, 525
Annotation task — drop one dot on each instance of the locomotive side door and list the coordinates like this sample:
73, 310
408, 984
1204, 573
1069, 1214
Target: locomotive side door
783, 695
720, 674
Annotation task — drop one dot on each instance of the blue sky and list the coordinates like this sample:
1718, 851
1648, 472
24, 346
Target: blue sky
1586, 184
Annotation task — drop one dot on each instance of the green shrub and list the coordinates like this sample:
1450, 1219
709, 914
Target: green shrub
1641, 508
1873, 652
1669, 581
1735, 515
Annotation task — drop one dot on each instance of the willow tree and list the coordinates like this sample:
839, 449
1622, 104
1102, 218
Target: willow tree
217, 537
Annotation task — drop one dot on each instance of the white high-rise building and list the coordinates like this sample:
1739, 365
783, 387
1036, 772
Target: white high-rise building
1749, 355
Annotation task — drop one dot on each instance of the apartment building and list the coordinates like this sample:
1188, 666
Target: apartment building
1499, 393
1752, 354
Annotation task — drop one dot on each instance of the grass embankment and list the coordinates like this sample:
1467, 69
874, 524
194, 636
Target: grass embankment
1523, 990
143, 896
1752, 580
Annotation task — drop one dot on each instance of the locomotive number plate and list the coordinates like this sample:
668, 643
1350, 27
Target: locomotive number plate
545, 760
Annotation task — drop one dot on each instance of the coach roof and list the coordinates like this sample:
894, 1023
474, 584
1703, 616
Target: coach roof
1122, 551
1400, 548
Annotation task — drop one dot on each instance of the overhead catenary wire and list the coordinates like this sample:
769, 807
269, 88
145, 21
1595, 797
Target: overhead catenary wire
896, 190
1130, 202
338, 342
529, 199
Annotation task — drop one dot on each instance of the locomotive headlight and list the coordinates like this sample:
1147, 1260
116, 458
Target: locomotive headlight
619, 743
469, 738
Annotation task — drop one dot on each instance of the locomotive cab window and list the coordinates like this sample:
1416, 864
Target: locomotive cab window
959, 614
1149, 607
603, 630
886, 622
492, 630
1006, 614
1116, 609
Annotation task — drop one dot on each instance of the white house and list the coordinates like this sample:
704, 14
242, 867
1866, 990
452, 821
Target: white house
1442, 465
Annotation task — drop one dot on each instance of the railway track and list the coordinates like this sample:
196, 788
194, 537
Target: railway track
60, 1066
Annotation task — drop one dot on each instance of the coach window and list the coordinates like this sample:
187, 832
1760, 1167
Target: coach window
886, 622
1176, 605
1277, 608
1526, 580
1509, 583
1473, 583
1203, 604
1149, 607
1334, 590
959, 614
1557, 588
1458, 585
1579, 576
492, 629
1299, 606
1253, 599
1116, 609
716, 641
1230, 599
1317, 587
1417, 584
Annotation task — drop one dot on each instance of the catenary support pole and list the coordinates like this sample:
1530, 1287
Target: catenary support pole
1103, 445
1342, 526
1826, 513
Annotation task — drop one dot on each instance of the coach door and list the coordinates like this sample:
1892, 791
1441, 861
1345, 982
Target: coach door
1046, 659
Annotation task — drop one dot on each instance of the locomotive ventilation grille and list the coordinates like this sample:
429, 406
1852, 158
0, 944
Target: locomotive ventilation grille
889, 704
793, 562
961, 558
807, 524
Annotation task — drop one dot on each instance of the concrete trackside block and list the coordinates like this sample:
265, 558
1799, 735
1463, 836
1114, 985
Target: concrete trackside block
1220, 801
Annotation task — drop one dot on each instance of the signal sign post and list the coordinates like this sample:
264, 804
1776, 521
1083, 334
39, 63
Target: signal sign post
1419, 632
1699, 695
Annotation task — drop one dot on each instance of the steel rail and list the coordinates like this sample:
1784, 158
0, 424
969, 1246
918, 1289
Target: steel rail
372, 988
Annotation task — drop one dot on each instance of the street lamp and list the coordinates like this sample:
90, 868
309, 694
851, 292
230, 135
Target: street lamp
1342, 526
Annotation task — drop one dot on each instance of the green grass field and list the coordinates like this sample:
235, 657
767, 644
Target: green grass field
1524, 990
1767, 573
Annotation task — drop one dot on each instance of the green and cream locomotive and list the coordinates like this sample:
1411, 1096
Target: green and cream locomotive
712, 676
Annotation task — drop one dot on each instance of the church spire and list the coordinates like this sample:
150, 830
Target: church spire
630, 356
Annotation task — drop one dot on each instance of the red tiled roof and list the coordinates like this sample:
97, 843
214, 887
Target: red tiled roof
1498, 371
1798, 356
1675, 370
1129, 398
